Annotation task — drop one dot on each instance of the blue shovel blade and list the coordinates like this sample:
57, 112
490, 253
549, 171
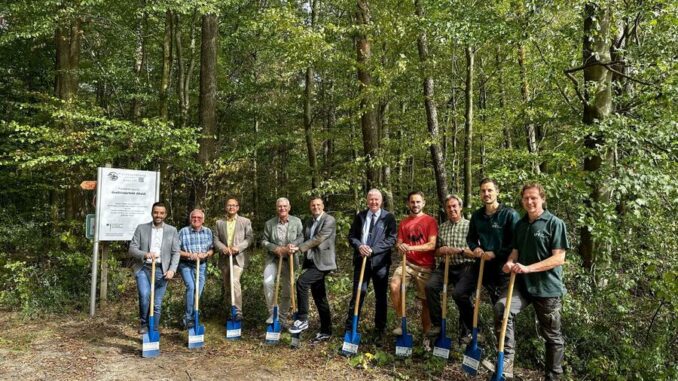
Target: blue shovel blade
351, 343
196, 337
472, 355
273, 329
149, 347
233, 326
443, 344
499, 372
404, 341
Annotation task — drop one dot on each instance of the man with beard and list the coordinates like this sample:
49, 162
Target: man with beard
417, 235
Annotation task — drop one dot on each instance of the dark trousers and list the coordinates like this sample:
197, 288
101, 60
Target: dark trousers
463, 280
548, 318
315, 280
379, 277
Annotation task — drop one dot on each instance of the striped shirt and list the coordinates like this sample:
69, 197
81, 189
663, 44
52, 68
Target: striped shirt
195, 241
454, 235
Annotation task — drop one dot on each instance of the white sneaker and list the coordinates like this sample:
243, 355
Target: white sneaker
269, 320
298, 326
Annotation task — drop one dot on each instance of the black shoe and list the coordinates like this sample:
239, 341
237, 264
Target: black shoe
190, 324
143, 329
377, 337
320, 337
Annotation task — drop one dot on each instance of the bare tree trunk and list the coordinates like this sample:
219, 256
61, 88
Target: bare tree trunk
367, 114
597, 106
432, 118
508, 141
166, 66
468, 129
385, 137
308, 110
530, 133
185, 74
139, 62
208, 87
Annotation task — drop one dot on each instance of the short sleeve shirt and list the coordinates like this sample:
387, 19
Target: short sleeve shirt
195, 241
535, 242
453, 234
415, 231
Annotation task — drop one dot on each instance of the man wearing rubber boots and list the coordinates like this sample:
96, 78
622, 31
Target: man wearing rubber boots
490, 236
373, 234
159, 240
452, 242
538, 254
196, 243
233, 236
319, 259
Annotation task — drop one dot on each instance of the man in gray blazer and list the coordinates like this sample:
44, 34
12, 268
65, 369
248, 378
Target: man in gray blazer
159, 240
281, 234
233, 236
320, 232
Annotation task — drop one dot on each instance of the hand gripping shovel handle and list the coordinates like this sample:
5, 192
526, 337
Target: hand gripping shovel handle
507, 311
478, 290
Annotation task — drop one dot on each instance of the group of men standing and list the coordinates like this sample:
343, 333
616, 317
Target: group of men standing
533, 246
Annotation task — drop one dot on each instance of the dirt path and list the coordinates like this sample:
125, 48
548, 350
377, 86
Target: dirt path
107, 348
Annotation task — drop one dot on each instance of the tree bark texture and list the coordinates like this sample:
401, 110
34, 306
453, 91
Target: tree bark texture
597, 106
368, 123
432, 117
166, 66
208, 87
530, 131
308, 108
468, 129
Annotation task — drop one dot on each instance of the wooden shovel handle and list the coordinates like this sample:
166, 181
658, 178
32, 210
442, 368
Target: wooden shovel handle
445, 279
293, 297
403, 289
197, 283
360, 287
152, 285
479, 286
507, 311
277, 281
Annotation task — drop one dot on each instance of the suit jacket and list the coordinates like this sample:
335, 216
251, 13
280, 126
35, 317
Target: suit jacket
295, 234
169, 249
242, 239
382, 240
320, 247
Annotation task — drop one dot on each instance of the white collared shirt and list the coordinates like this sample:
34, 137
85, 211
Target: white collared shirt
368, 222
156, 242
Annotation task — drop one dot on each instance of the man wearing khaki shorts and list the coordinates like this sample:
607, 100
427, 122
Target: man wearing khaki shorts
417, 235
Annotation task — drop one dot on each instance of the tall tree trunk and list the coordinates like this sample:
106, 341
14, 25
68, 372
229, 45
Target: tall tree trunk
530, 131
308, 110
432, 117
166, 66
208, 96
597, 107
139, 63
67, 42
368, 123
508, 141
482, 109
468, 129
185, 73
385, 137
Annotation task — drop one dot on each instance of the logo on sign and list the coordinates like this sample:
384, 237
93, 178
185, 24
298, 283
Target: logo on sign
113, 176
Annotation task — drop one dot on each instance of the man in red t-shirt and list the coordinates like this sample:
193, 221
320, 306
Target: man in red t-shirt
417, 235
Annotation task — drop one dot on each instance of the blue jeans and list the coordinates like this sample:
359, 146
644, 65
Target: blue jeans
187, 271
143, 278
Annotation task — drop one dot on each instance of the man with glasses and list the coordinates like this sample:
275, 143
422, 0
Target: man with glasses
233, 237
196, 243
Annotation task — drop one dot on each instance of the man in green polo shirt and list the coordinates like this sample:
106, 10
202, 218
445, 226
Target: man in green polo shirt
538, 254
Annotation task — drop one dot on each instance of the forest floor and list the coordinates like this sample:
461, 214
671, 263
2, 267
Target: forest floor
107, 347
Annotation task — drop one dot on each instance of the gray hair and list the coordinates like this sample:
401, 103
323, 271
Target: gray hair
454, 197
281, 199
375, 191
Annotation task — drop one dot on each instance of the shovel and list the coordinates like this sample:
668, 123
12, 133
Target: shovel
404, 341
499, 373
443, 343
473, 353
233, 326
273, 329
352, 337
150, 341
294, 343
196, 334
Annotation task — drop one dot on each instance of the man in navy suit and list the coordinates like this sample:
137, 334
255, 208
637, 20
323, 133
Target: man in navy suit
373, 234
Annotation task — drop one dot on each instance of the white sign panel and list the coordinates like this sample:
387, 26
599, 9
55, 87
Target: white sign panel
124, 200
